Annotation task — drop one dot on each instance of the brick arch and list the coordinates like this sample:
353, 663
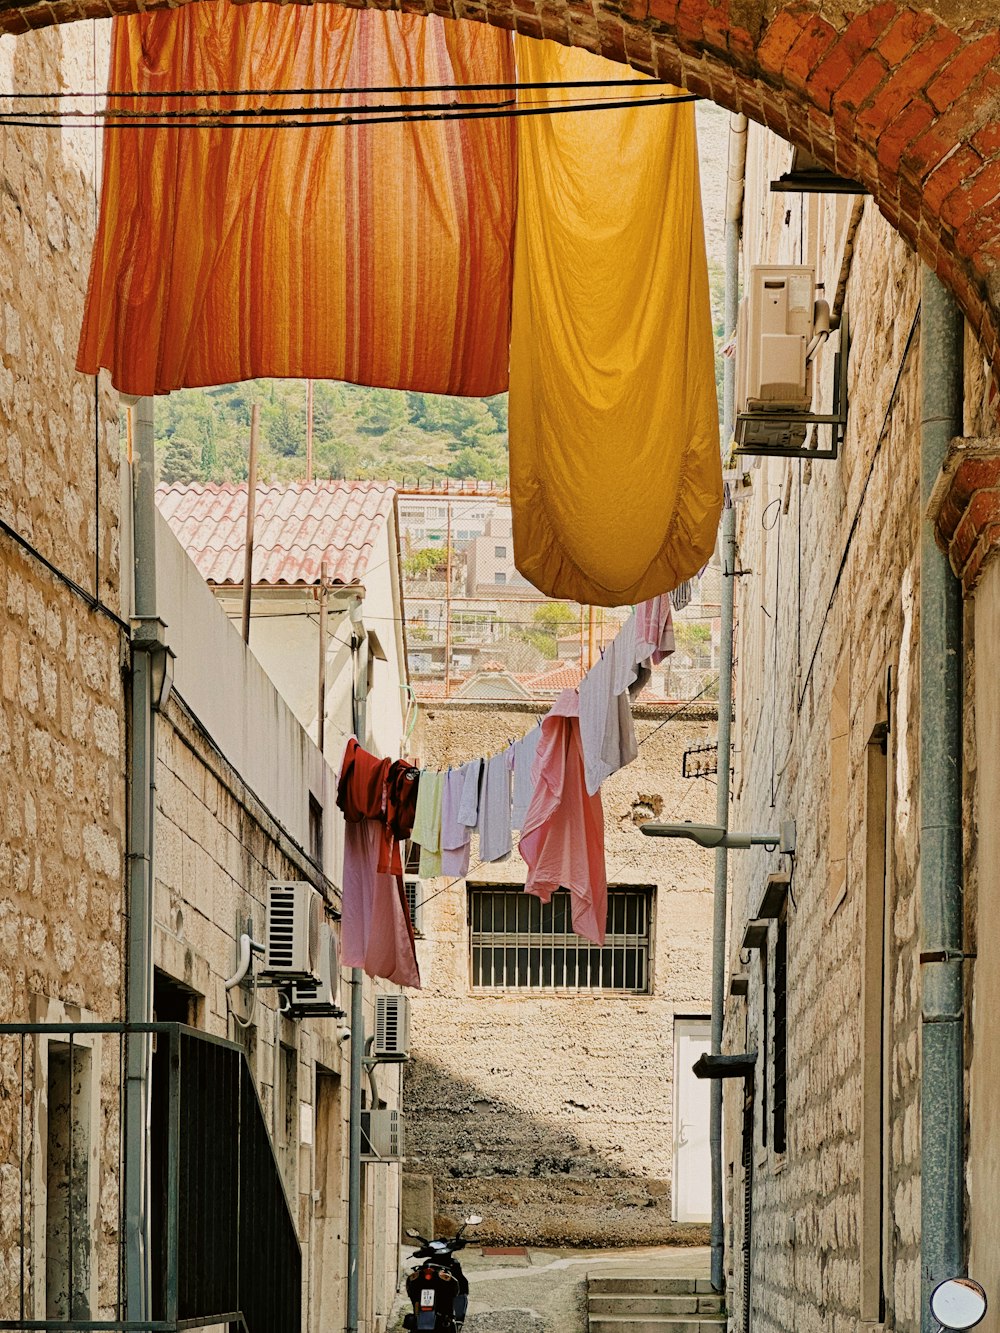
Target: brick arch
903, 97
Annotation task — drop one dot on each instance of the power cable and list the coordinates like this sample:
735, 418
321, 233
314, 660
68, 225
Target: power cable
358, 91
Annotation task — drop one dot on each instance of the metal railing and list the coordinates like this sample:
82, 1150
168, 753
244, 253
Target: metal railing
224, 1248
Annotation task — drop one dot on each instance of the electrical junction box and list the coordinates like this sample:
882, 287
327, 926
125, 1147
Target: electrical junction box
392, 1028
293, 932
381, 1135
775, 340
321, 995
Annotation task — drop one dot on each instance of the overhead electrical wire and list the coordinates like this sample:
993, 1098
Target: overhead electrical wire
360, 91
351, 117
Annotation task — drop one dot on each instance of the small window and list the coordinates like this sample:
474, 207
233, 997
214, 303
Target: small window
780, 1048
500, 552
315, 830
518, 942
414, 890
499, 577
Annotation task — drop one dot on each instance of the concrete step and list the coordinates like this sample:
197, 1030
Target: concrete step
624, 1304
657, 1323
623, 1285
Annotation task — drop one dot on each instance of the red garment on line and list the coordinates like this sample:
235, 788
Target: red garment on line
381, 789
562, 841
378, 798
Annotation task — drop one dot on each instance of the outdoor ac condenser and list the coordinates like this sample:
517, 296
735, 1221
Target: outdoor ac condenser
381, 1135
392, 1027
775, 340
293, 933
323, 994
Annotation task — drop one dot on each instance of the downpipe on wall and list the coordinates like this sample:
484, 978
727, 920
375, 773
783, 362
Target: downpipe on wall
734, 214
150, 685
942, 1071
359, 643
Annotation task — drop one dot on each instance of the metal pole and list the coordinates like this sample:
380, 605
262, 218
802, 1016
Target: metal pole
942, 1115
447, 610
591, 653
251, 507
321, 702
354, 1175
139, 997
734, 210
309, 431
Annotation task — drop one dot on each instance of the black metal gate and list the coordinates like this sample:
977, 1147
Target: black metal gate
748, 1103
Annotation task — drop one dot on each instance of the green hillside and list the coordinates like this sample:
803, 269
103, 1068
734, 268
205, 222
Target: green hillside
203, 434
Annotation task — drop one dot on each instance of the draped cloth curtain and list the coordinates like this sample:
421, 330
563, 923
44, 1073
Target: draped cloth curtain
378, 254
616, 482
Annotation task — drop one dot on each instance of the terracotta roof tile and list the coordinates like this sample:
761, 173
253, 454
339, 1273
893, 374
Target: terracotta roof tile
296, 528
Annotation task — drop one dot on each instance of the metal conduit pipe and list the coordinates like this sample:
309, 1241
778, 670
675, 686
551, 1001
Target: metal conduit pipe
942, 1110
354, 1200
142, 759
734, 214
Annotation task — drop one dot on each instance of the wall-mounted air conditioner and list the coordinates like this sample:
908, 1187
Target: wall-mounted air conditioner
293, 931
381, 1135
322, 995
392, 1028
780, 328
414, 890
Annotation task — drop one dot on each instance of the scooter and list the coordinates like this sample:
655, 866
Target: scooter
437, 1287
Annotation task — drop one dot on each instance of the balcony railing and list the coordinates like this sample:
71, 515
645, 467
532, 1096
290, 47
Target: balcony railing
223, 1248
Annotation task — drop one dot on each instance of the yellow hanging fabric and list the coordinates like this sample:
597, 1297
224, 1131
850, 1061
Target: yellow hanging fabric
616, 478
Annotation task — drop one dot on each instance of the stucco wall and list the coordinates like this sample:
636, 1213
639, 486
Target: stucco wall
829, 601
551, 1114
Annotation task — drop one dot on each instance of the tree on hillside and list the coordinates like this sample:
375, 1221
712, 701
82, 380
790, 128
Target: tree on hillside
181, 461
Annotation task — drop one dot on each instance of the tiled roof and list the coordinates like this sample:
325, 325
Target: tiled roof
566, 676
296, 528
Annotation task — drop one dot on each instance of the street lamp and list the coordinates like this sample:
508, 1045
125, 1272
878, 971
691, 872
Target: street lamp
714, 835
149, 637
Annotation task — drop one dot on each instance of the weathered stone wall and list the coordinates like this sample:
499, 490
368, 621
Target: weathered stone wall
829, 604
549, 1113
62, 736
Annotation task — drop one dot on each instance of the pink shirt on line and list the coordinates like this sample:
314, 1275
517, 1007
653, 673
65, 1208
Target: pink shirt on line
562, 841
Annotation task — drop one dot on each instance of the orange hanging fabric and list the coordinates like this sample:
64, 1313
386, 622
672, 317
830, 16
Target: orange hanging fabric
379, 254
616, 481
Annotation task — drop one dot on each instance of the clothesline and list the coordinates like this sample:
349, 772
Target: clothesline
546, 784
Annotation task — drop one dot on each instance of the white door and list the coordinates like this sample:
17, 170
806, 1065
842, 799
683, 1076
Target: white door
692, 1185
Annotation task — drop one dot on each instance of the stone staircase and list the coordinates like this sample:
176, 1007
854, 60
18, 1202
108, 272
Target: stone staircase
654, 1305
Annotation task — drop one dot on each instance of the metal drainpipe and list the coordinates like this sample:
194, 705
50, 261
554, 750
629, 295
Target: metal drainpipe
942, 1110
354, 1200
734, 213
139, 1002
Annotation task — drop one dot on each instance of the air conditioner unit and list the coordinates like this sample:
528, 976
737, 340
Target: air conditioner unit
775, 339
322, 996
295, 918
381, 1135
414, 890
392, 1028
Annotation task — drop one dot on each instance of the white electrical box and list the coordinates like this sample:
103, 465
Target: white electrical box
775, 340
392, 1027
381, 1135
322, 993
293, 931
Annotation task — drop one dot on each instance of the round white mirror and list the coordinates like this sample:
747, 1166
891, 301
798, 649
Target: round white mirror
958, 1303
473, 1220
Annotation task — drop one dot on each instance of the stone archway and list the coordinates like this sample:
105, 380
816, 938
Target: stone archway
904, 98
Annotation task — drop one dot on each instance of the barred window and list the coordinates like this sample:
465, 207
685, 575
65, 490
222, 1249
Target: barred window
519, 943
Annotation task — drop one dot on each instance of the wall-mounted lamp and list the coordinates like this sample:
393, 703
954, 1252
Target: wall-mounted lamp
714, 835
149, 637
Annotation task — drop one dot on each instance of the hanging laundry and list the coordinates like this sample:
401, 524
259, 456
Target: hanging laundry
455, 833
681, 595
377, 253
607, 730
595, 691
468, 806
524, 788
495, 835
382, 789
378, 798
616, 480
562, 841
376, 933
427, 823
654, 629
